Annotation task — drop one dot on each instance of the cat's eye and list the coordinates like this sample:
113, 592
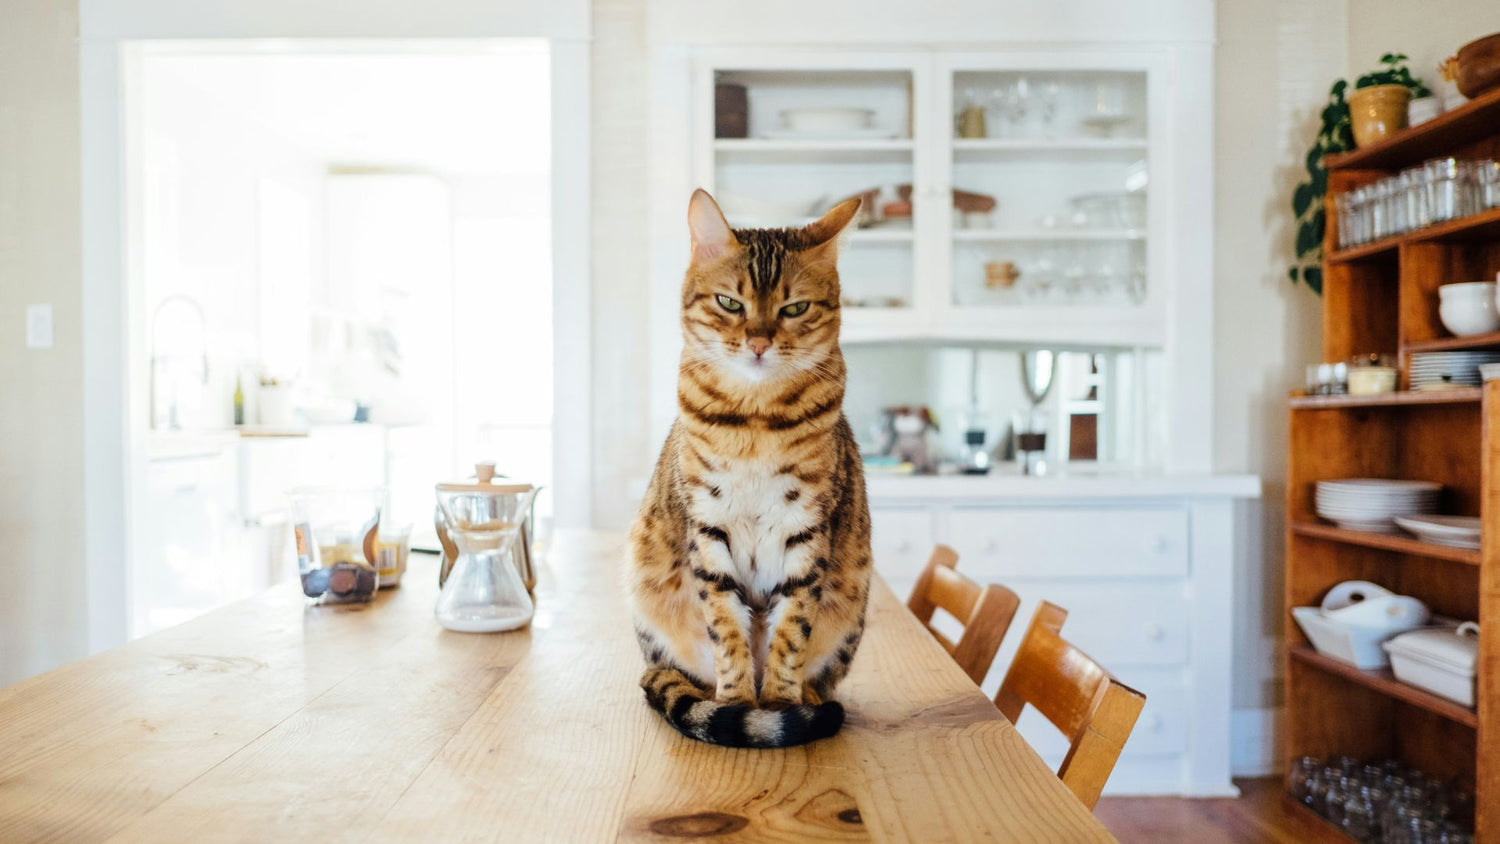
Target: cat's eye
730, 305
794, 309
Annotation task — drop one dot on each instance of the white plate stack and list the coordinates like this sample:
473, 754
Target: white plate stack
1372, 504
1437, 370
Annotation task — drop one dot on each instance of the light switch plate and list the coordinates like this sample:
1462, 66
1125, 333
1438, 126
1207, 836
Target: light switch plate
38, 326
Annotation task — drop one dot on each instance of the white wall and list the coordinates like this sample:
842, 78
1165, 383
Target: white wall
1426, 32
43, 606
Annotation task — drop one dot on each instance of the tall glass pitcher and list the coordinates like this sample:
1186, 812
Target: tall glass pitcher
484, 592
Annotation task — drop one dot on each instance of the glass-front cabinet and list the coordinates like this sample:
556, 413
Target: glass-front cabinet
1010, 274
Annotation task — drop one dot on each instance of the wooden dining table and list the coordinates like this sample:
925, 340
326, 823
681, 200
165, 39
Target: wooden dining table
270, 720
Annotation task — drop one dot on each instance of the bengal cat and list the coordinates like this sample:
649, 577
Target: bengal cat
750, 558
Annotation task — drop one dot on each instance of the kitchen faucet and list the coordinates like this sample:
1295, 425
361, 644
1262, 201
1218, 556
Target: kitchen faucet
173, 421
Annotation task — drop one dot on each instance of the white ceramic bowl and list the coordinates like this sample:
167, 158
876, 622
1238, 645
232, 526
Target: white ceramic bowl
827, 120
1467, 309
1467, 289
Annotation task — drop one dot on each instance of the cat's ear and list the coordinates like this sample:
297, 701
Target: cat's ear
712, 237
827, 229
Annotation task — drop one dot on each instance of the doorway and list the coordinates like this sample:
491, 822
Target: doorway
339, 265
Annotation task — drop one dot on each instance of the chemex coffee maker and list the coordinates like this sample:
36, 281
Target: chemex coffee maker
487, 575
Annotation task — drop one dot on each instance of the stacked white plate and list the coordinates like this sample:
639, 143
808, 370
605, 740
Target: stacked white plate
1457, 531
1433, 370
1372, 504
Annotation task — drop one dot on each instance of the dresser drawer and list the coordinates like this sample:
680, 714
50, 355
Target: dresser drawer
1121, 624
1004, 543
1161, 730
901, 539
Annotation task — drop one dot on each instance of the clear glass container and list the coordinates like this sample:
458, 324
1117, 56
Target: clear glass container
484, 592
336, 534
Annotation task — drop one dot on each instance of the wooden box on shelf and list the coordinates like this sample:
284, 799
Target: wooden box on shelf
1381, 297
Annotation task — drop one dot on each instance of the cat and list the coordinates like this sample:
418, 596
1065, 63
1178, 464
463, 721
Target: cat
750, 557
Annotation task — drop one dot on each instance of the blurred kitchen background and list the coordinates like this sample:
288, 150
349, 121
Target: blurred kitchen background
347, 272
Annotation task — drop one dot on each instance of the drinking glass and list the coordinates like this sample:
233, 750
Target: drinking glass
1301, 776
1487, 179
1048, 94
1445, 188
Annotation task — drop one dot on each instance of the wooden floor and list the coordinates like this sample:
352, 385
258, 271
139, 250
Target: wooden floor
1258, 815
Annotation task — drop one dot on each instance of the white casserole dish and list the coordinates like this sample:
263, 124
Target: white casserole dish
1358, 646
1439, 659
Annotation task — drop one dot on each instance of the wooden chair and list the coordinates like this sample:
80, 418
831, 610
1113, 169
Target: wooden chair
1094, 710
984, 611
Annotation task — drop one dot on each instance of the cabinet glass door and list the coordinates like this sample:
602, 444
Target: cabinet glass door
1050, 187
790, 144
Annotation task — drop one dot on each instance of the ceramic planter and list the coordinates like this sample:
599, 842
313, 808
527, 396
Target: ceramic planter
1377, 111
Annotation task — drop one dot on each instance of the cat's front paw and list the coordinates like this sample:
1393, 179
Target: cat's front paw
780, 699
733, 697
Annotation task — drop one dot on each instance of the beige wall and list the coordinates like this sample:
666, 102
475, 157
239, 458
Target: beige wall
43, 619
622, 447
1428, 32
1273, 65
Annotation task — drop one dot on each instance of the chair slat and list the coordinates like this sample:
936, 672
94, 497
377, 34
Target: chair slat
1077, 695
985, 612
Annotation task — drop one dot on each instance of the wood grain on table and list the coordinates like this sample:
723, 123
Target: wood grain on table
268, 720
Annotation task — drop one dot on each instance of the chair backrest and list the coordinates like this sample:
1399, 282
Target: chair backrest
984, 611
1094, 710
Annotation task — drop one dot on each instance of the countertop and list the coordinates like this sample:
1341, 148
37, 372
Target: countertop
1010, 485
271, 721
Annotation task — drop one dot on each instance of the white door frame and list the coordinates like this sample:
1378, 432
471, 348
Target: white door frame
115, 424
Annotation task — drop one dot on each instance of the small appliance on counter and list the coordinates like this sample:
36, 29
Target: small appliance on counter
487, 574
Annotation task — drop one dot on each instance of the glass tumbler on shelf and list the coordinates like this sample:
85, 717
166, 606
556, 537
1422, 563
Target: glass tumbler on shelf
1487, 183
1447, 190
484, 592
1379, 208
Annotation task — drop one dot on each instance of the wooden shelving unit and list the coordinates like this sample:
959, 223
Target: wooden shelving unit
1382, 297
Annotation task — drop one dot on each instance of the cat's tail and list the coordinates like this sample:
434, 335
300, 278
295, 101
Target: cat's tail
693, 712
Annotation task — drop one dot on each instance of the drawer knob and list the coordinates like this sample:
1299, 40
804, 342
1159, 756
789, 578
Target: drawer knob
991, 545
1155, 633
1154, 723
1161, 544
903, 545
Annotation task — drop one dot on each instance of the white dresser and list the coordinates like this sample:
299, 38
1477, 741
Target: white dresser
1144, 566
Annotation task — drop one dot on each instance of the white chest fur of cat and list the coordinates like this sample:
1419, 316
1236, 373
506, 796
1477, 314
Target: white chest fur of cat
752, 508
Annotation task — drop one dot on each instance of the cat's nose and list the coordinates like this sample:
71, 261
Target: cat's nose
758, 345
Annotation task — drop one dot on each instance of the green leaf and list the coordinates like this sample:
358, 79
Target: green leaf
1302, 198
1313, 276
1308, 238
1320, 183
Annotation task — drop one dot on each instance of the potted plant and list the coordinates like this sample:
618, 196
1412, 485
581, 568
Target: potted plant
1378, 105
1338, 132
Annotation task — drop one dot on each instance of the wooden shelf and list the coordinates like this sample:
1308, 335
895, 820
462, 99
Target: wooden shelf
1381, 680
1482, 226
1405, 398
1443, 344
1399, 543
1474, 121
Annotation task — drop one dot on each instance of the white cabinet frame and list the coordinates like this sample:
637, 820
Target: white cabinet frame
1177, 315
